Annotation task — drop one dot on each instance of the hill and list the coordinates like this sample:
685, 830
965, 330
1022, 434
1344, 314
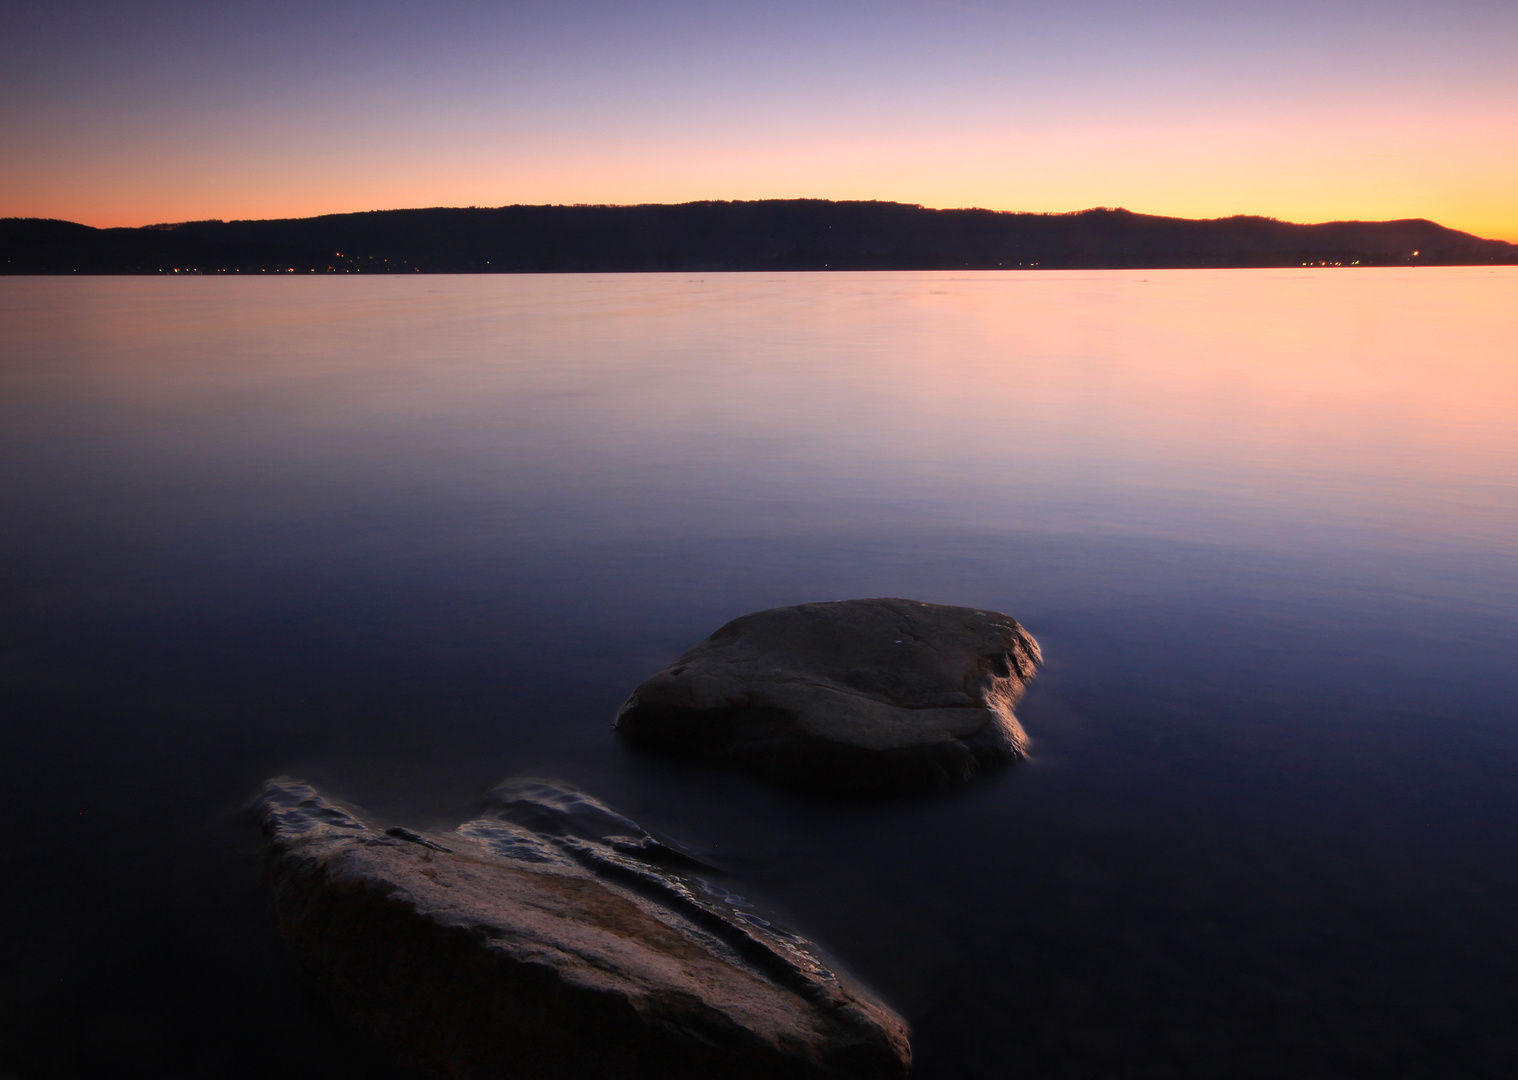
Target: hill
771, 235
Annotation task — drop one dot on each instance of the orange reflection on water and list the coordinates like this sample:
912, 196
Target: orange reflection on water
1233, 403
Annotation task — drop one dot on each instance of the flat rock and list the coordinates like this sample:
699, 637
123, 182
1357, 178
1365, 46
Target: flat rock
878, 696
554, 939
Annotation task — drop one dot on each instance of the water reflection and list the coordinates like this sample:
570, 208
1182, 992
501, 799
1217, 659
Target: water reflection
1192, 402
406, 537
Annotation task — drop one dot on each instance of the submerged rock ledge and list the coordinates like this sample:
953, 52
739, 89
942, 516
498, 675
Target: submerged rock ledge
862, 697
553, 939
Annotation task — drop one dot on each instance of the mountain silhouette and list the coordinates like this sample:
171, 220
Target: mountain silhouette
769, 235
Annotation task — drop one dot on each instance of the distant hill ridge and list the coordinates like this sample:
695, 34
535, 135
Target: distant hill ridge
769, 235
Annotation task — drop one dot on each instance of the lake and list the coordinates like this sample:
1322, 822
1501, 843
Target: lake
407, 536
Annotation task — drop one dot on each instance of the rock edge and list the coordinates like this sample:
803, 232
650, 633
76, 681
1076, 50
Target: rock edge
572, 947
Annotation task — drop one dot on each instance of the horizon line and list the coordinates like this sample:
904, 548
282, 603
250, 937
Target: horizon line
797, 199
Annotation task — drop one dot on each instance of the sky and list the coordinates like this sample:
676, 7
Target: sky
132, 113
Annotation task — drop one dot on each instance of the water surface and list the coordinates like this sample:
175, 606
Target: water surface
408, 536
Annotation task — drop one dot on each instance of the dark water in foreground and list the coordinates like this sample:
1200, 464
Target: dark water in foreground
405, 537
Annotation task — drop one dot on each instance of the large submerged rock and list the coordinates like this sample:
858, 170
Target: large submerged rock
857, 696
553, 939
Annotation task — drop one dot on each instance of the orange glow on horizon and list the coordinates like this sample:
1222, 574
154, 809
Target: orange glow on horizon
1301, 113
1459, 178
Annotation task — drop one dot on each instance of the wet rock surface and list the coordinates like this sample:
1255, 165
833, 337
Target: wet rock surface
871, 697
554, 938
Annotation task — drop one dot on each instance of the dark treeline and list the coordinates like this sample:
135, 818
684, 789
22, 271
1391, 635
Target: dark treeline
798, 234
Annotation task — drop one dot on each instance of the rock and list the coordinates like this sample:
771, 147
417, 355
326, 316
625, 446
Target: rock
554, 939
854, 697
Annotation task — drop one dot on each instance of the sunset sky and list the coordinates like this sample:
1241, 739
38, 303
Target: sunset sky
133, 113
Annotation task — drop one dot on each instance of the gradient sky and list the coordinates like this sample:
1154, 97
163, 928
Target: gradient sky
131, 113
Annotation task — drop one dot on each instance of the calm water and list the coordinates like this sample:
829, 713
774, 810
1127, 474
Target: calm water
408, 536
